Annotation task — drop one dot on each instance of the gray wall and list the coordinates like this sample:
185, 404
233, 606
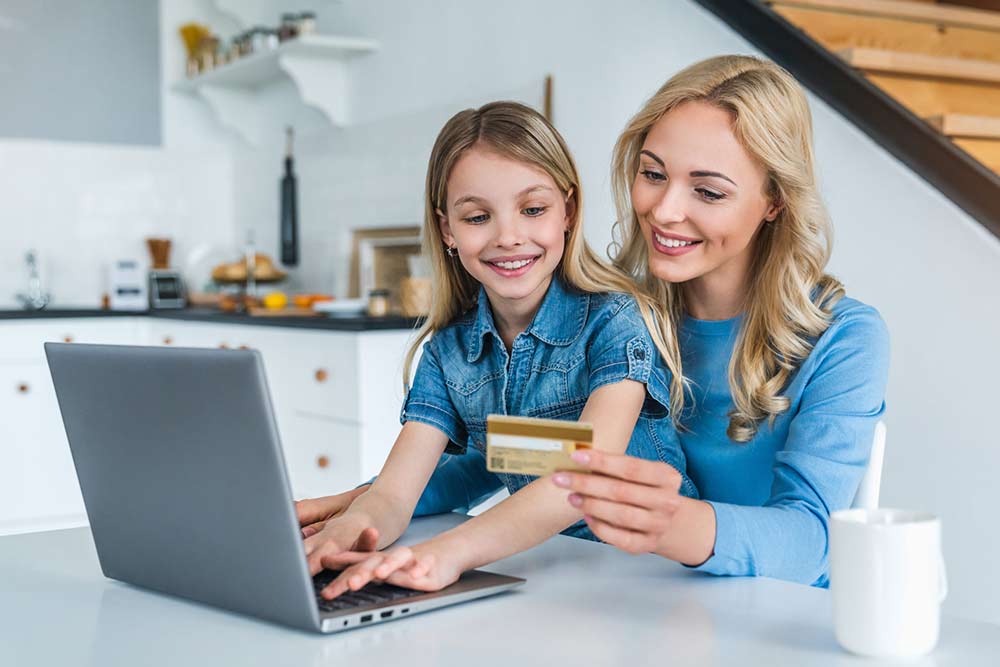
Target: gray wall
80, 71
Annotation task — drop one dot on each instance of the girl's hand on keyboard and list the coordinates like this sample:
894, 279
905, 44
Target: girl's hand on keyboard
423, 567
348, 533
313, 513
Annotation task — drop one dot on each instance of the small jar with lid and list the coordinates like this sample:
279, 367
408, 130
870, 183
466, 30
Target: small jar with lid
378, 303
307, 23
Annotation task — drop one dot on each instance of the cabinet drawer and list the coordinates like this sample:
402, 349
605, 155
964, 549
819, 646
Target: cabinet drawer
322, 456
37, 477
23, 341
315, 374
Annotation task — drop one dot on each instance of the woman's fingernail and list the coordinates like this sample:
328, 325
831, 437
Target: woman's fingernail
575, 500
561, 479
581, 457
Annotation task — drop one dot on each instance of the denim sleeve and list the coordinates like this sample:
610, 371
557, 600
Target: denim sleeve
427, 401
621, 350
818, 469
460, 482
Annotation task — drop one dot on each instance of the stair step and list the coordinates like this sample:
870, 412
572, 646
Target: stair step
922, 65
986, 151
838, 30
967, 125
933, 97
905, 9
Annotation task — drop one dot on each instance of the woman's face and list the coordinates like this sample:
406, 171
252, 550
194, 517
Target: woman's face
699, 197
508, 221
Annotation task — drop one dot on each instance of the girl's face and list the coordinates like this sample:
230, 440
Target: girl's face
508, 221
699, 197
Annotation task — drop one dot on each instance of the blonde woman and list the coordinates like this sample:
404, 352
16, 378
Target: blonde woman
722, 223
526, 321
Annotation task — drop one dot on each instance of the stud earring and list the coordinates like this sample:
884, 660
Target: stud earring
450, 251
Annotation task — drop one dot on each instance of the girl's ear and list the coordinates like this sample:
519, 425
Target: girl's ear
446, 235
772, 211
570, 208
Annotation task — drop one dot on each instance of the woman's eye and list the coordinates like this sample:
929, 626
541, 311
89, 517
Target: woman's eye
710, 195
477, 219
653, 175
534, 211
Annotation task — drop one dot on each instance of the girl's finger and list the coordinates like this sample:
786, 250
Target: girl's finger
626, 540
422, 566
312, 529
623, 516
335, 560
394, 560
368, 540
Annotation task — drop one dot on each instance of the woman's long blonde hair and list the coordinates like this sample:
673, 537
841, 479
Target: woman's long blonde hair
790, 297
516, 132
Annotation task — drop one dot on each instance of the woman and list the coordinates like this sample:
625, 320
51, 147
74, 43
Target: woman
722, 222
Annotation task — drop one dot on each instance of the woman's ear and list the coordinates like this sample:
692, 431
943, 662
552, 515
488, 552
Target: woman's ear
446, 235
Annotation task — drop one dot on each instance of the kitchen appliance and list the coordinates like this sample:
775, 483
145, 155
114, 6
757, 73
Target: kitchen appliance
289, 209
127, 278
166, 290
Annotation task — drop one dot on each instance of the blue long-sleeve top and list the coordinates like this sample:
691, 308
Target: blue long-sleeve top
772, 496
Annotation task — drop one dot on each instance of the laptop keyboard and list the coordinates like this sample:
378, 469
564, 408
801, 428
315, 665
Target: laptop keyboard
372, 593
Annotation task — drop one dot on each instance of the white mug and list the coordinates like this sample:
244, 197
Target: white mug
888, 581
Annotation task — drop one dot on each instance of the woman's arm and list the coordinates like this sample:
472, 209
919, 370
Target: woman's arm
527, 518
816, 471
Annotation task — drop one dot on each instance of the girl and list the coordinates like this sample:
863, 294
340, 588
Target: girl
522, 323
723, 226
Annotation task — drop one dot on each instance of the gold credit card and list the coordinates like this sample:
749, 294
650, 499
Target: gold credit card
529, 446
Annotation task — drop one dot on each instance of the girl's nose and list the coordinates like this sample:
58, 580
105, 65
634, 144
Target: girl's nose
510, 232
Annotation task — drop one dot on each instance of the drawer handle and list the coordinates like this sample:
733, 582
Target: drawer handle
168, 340
23, 388
223, 346
244, 347
67, 338
322, 461
321, 375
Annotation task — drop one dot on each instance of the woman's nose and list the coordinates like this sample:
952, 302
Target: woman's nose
669, 207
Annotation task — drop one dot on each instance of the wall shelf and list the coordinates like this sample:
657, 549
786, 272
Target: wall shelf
316, 64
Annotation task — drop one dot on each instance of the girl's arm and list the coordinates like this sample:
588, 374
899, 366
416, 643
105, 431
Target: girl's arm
527, 518
387, 506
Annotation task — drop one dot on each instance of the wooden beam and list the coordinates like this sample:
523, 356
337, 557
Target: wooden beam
922, 65
902, 9
966, 125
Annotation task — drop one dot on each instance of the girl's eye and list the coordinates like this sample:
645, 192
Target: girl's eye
477, 219
710, 195
534, 211
653, 175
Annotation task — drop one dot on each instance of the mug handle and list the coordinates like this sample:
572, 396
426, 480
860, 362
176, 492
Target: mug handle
942, 579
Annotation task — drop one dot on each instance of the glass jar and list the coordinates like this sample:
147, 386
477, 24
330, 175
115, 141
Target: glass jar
289, 27
307, 23
378, 303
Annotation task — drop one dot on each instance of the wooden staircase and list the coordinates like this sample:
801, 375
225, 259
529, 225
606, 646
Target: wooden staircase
941, 61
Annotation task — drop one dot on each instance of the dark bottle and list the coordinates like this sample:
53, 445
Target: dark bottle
289, 214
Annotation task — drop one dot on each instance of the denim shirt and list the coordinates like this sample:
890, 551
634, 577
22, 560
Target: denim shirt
576, 343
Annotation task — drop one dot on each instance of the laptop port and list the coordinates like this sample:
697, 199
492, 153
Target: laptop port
403, 611
386, 614
366, 618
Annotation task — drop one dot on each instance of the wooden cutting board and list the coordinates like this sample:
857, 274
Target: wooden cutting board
290, 311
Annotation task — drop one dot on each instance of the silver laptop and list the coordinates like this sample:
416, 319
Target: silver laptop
184, 482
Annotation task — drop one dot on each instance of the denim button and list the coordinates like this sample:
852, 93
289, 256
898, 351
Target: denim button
640, 354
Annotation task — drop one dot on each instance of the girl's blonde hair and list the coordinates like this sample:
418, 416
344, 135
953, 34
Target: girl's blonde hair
790, 297
516, 132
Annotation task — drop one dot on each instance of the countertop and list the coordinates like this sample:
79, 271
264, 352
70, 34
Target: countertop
583, 604
359, 323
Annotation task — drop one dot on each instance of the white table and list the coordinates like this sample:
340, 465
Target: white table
584, 604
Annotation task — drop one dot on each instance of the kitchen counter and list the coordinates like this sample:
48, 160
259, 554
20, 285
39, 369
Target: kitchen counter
358, 323
583, 604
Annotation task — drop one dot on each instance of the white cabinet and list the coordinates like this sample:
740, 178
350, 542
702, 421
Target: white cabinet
336, 398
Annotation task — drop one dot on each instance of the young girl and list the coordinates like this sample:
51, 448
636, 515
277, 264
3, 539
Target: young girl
723, 225
525, 321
